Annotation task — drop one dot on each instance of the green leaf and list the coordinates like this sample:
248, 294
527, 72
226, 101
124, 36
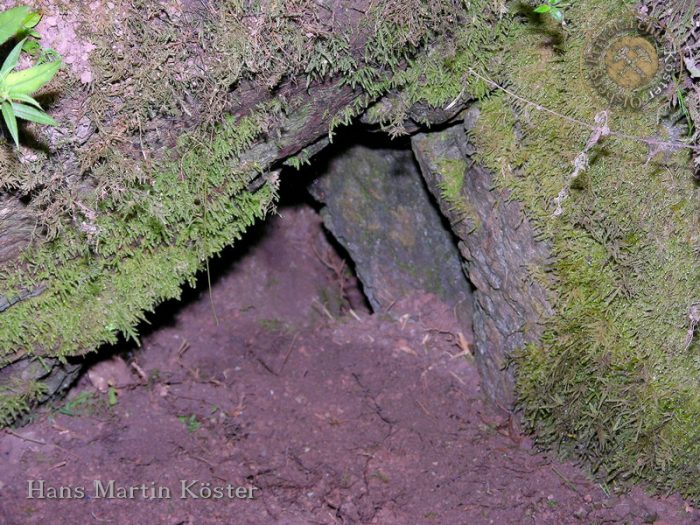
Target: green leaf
8, 115
557, 14
32, 79
11, 22
32, 20
27, 99
11, 60
31, 46
544, 8
35, 115
112, 396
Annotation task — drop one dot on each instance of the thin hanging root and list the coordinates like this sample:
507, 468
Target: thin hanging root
600, 131
669, 145
580, 165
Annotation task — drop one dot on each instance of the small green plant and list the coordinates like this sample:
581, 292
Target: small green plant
17, 87
191, 423
680, 97
80, 404
17, 399
18, 21
112, 396
553, 9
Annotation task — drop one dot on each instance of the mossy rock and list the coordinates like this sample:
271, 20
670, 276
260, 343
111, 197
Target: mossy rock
614, 378
500, 251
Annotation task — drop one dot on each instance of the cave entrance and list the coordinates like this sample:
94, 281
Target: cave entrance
380, 214
356, 232
323, 369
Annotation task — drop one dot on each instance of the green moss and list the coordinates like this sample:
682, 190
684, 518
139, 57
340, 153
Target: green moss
17, 398
298, 161
273, 325
440, 77
611, 381
452, 173
149, 242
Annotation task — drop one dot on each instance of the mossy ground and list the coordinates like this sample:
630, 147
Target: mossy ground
613, 381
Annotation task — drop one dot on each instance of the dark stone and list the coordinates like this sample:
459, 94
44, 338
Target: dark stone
378, 208
56, 376
499, 246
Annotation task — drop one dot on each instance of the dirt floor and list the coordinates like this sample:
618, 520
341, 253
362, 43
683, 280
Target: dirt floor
286, 407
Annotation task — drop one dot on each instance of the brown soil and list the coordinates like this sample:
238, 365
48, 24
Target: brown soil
333, 416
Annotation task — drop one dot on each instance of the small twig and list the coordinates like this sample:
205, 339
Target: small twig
8, 431
464, 345
139, 371
391, 305
338, 269
323, 309
457, 378
58, 465
289, 352
100, 519
143, 150
184, 347
206, 462
422, 407
581, 162
454, 102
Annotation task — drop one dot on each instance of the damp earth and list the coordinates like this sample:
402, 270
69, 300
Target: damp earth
273, 379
